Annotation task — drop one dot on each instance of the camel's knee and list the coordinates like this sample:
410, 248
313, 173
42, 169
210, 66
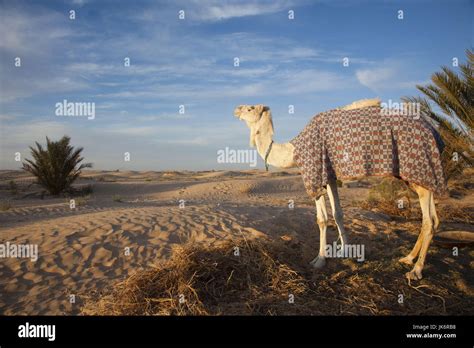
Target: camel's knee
322, 223
427, 231
427, 227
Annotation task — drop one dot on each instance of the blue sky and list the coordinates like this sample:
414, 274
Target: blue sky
190, 62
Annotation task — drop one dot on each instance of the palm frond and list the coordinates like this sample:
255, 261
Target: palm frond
453, 94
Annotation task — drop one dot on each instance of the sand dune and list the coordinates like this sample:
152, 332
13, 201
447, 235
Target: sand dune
133, 220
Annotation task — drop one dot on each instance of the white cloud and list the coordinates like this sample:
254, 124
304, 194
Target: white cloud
214, 10
386, 76
160, 75
194, 92
375, 78
183, 134
79, 2
168, 117
309, 81
24, 134
283, 82
130, 130
26, 87
26, 33
35, 38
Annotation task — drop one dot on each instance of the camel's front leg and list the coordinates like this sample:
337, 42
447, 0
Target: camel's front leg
322, 218
337, 212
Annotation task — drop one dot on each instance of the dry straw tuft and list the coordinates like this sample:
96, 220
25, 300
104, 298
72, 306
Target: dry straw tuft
211, 280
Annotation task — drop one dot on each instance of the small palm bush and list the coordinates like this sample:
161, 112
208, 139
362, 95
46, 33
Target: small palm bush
57, 166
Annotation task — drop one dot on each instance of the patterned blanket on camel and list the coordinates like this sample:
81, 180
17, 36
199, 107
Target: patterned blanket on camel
349, 144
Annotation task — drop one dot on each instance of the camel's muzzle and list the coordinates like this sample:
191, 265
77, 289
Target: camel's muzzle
237, 111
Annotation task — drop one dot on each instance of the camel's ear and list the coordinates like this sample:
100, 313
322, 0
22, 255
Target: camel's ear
260, 108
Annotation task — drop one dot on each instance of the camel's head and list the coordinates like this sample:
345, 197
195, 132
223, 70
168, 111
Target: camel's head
257, 117
250, 113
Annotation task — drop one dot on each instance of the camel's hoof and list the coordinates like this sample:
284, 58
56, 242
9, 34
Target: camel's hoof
406, 260
414, 275
318, 262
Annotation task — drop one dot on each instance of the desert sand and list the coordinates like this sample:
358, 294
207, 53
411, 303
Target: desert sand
132, 220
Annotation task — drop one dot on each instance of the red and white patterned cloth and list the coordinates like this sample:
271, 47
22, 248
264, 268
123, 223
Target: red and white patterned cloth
347, 144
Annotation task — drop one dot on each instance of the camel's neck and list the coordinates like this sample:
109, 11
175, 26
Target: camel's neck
281, 155
263, 142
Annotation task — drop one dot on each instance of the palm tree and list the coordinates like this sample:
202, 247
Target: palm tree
57, 166
453, 95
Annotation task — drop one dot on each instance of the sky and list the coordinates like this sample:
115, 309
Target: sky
172, 107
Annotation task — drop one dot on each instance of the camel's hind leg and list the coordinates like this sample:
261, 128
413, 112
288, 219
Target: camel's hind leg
426, 234
434, 216
337, 212
322, 218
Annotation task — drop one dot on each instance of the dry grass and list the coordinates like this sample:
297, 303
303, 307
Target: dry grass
246, 189
213, 281
446, 213
117, 198
451, 213
462, 185
385, 197
389, 208
210, 280
81, 201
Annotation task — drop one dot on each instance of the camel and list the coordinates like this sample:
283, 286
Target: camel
259, 120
